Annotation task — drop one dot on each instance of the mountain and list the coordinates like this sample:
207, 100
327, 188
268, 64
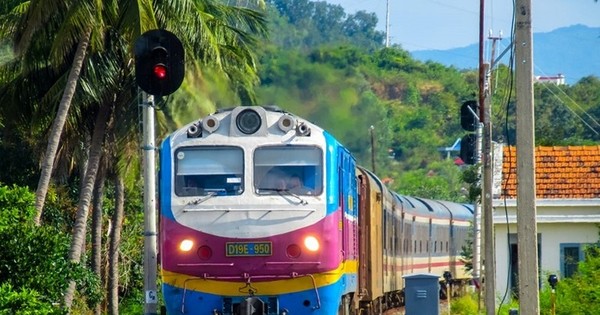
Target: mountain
571, 51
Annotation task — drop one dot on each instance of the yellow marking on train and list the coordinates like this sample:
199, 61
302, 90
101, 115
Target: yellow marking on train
230, 288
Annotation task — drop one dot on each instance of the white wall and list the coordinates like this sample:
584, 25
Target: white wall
552, 235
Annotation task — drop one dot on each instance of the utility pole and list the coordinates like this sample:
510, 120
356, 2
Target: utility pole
387, 23
526, 206
486, 198
487, 184
372, 131
150, 263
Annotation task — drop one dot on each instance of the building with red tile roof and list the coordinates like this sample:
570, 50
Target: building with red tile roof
567, 188
570, 172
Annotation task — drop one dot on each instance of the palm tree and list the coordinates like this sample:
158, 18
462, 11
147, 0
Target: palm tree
97, 226
115, 239
68, 24
225, 43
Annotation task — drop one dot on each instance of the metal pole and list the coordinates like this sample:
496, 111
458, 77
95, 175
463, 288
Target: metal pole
553, 302
488, 212
477, 222
387, 23
529, 302
372, 129
150, 263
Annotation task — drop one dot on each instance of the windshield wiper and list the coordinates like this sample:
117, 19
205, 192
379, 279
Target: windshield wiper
209, 195
288, 193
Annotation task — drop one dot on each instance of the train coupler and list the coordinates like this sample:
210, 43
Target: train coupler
252, 305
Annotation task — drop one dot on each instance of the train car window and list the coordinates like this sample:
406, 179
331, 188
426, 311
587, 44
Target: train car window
201, 171
291, 169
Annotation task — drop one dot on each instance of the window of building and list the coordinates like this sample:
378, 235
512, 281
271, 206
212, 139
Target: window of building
570, 256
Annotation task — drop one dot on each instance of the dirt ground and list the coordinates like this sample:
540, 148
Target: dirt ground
400, 310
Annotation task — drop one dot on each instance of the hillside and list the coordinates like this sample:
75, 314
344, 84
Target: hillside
569, 51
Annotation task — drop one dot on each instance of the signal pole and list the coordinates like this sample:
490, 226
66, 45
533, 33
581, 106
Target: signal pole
159, 71
150, 263
526, 208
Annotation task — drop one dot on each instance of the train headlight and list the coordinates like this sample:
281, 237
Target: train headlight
186, 245
248, 121
311, 243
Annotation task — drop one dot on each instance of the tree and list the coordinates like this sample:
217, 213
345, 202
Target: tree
225, 42
113, 252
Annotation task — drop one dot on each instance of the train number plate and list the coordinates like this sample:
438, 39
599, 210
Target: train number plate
248, 249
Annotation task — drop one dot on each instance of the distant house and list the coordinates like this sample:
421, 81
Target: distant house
567, 204
452, 150
558, 79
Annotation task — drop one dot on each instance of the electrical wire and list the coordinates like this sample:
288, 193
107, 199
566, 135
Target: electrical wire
545, 86
510, 84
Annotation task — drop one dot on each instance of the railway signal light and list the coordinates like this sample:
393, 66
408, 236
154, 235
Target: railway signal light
468, 115
468, 145
469, 120
159, 62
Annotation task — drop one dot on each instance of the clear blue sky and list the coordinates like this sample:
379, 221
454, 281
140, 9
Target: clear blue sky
438, 24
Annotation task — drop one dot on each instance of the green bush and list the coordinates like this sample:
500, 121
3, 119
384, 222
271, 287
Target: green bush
464, 305
36, 257
25, 302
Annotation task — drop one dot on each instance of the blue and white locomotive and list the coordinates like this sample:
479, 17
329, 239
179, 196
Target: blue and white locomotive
263, 212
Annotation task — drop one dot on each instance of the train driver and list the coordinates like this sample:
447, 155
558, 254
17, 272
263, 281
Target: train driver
296, 186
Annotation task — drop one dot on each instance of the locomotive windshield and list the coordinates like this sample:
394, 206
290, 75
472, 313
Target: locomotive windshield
203, 171
293, 169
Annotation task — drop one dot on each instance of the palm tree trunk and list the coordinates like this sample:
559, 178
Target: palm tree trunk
97, 229
58, 125
113, 252
85, 196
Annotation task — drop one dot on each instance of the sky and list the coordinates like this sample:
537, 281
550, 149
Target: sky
438, 24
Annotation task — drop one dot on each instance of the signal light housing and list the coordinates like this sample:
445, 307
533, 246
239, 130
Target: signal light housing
468, 115
468, 145
159, 62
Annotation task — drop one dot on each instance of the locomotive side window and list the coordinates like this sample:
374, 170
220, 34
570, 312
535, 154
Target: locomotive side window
291, 169
201, 171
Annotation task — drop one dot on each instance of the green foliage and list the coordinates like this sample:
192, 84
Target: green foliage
464, 305
305, 24
16, 206
579, 294
471, 177
16, 163
440, 181
25, 302
37, 257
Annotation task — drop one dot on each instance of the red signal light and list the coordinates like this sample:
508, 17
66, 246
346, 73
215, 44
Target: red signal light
160, 71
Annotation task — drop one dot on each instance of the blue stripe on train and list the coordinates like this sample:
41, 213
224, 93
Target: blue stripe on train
298, 303
164, 179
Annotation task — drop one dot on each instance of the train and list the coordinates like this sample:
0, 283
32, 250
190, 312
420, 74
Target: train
264, 212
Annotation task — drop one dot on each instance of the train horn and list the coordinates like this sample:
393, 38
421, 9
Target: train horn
194, 131
302, 129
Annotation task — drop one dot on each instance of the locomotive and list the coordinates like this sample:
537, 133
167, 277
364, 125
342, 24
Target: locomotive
263, 212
